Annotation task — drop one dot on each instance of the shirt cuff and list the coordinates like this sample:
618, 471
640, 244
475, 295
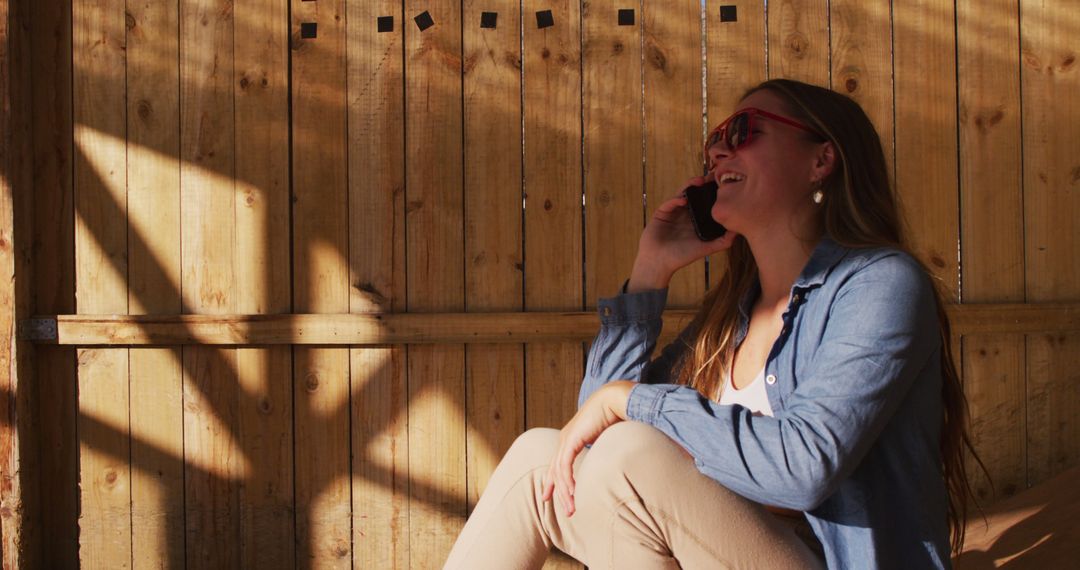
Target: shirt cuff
632, 307
643, 404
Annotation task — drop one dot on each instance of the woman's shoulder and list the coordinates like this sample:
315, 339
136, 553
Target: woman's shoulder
892, 267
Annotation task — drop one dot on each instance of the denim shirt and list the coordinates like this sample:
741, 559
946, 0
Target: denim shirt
854, 381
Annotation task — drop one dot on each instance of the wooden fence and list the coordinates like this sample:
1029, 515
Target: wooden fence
271, 187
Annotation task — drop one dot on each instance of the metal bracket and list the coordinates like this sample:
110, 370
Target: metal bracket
37, 330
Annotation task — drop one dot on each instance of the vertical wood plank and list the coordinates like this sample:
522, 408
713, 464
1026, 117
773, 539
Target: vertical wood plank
926, 140
153, 172
98, 42
21, 543
9, 456
376, 118
672, 75
53, 234
799, 40
434, 230
735, 61
861, 59
551, 104
734, 57
261, 92
494, 374
612, 100
214, 464
1051, 143
320, 266
553, 212
992, 236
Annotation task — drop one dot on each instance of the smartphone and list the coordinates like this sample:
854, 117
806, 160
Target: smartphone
700, 199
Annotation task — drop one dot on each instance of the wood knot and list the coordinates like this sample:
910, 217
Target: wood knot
603, 198
1074, 175
413, 206
311, 382
129, 21
851, 84
480, 258
617, 48
244, 82
144, 109
545, 53
797, 45
937, 261
563, 59
110, 477
265, 406
1067, 62
265, 82
986, 119
512, 60
548, 205
372, 294
1031, 60
657, 58
249, 198
341, 549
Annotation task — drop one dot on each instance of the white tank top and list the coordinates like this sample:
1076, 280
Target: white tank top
752, 397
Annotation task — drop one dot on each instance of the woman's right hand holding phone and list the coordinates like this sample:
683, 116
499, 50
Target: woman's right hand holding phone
670, 243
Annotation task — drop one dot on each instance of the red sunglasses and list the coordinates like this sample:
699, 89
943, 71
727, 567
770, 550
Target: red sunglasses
738, 130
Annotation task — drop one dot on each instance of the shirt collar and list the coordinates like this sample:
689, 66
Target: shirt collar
825, 256
827, 253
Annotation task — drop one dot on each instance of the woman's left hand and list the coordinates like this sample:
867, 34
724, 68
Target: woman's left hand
607, 406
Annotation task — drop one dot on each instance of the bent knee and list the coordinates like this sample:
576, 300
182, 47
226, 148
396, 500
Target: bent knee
533, 448
627, 445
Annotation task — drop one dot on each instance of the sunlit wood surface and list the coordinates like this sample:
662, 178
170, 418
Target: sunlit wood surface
297, 272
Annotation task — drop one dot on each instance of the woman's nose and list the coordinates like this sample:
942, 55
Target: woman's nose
718, 150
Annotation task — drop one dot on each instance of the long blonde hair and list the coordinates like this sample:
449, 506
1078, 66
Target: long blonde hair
859, 211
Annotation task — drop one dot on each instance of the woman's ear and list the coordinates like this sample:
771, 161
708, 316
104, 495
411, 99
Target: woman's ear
824, 162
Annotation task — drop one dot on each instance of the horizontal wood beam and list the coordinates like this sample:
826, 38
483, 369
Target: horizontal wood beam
427, 328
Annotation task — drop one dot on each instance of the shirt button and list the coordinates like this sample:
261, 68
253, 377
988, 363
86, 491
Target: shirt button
607, 311
795, 298
770, 379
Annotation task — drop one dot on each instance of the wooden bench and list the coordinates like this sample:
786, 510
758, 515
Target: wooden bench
1039, 528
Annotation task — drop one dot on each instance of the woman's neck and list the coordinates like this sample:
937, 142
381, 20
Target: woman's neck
780, 258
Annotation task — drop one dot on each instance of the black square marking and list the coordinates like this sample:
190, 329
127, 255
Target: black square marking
544, 19
386, 24
626, 16
729, 13
309, 30
488, 19
424, 21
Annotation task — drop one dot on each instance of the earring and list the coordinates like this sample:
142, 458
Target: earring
818, 196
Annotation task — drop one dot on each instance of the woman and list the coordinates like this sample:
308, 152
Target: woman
810, 415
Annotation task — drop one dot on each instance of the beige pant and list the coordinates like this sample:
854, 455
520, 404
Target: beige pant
640, 503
